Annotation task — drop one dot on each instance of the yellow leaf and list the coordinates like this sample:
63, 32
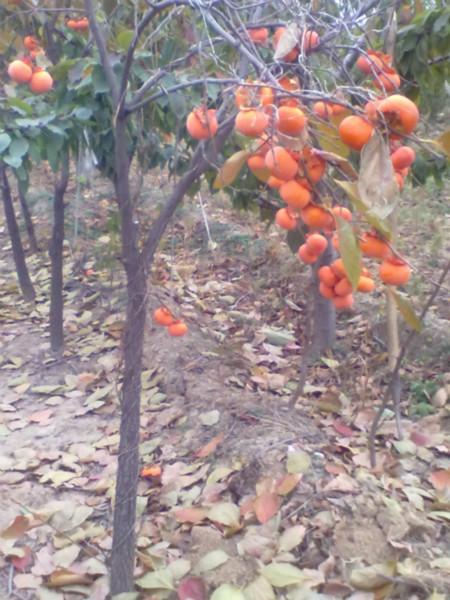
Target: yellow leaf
444, 142
230, 169
407, 311
328, 138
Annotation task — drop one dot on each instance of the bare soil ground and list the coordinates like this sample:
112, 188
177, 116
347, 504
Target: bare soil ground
246, 484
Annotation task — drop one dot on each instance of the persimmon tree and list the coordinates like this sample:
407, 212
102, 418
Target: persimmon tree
207, 89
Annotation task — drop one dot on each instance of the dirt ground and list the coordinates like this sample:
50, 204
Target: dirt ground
236, 487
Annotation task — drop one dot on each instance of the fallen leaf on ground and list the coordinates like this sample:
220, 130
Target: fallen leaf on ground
266, 505
192, 588
210, 447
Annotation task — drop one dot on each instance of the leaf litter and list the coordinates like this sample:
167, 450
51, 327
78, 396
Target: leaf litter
238, 497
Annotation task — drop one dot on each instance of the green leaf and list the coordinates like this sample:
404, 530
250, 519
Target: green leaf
349, 249
126, 596
18, 147
13, 161
230, 169
5, 141
294, 240
21, 105
83, 113
227, 592
124, 38
161, 579
283, 574
99, 80
407, 311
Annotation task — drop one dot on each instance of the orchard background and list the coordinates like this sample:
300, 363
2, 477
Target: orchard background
224, 269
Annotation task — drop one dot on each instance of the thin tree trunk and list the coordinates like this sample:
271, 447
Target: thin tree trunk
324, 333
29, 225
124, 534
320, 334
19, 255
56, 248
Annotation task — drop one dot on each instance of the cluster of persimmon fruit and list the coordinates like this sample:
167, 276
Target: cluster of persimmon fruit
81, 24
24, 70
175, 327
283, 157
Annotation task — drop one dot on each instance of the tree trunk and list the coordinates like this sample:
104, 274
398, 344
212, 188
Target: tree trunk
28, 220
19, 256
324, 332
56, 248
124, 534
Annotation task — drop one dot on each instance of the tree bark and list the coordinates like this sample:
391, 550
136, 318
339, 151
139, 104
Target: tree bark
29, 225
23, 276
56, 249
124, 535
324, 332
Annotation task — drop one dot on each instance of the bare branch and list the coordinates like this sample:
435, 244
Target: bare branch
101, 45
180, 86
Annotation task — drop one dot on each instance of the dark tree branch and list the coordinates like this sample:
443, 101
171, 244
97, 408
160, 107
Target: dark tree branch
180, 86
103, 51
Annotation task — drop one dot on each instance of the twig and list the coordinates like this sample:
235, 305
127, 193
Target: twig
396, 370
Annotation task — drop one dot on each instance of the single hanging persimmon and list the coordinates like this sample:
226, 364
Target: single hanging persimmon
316, 217
285, 219
290, 120
370, 64
365, 284
355, 131
30, 42
259, 35
343, 302
387, 80
400, 113
343, 287
316, 243
295, 194
394, 271
281, 163
19, 71
311, 165
373, 246
202, 123
342, 212
41, 82
306, 256
256, 163
251, 123
326, 291
177, 329
309, 40
403, 157
163, 316
327, 276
